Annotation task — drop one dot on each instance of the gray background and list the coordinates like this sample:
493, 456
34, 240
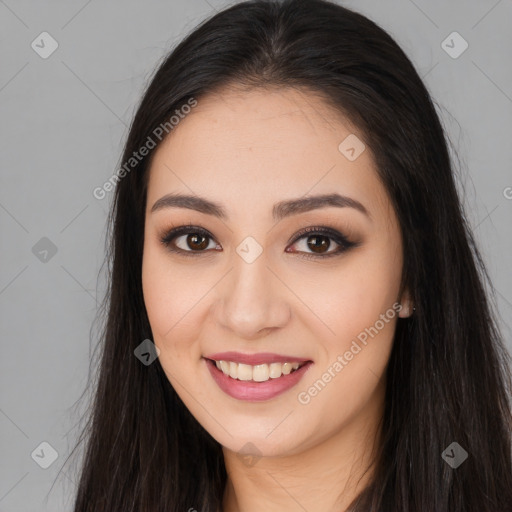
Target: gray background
63, 123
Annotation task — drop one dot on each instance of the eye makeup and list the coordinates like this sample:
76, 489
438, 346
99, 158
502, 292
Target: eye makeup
196, 235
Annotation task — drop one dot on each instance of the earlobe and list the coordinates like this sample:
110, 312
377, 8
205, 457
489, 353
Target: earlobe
408, 308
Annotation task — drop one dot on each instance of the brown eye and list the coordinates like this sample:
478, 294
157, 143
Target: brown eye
197, 242
318, 243
193, 241
187, 240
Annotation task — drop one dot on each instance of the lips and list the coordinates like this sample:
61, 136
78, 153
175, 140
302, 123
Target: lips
255, 359
252, 391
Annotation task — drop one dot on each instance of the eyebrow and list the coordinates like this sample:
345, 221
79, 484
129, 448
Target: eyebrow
280, 210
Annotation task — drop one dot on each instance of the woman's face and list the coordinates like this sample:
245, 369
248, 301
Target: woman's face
250, 281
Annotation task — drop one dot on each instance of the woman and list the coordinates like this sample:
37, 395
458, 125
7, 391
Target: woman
297, 317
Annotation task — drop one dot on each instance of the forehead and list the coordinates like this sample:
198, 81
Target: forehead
259, 145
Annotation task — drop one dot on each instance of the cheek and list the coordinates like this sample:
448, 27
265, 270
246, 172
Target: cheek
350, 297
173, 304
350, 372
160, 289
358, 304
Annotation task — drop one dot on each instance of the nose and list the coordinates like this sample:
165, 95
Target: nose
251, 301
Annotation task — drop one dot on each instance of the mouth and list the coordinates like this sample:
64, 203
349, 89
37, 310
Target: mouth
256, 383
256, 373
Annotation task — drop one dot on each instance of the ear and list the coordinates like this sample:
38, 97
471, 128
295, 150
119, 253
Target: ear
407, 305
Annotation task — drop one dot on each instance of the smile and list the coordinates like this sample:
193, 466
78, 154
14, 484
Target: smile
257, 373
256, 383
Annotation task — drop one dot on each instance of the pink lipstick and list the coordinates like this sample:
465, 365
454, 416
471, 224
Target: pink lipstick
255, 377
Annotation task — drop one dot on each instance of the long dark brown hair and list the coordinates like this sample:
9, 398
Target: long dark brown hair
448, 378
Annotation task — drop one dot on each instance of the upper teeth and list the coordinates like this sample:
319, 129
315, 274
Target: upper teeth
258, 373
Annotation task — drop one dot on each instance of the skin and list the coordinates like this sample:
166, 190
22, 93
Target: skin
247, 150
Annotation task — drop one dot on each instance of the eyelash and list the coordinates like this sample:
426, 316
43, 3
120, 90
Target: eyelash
343, 242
